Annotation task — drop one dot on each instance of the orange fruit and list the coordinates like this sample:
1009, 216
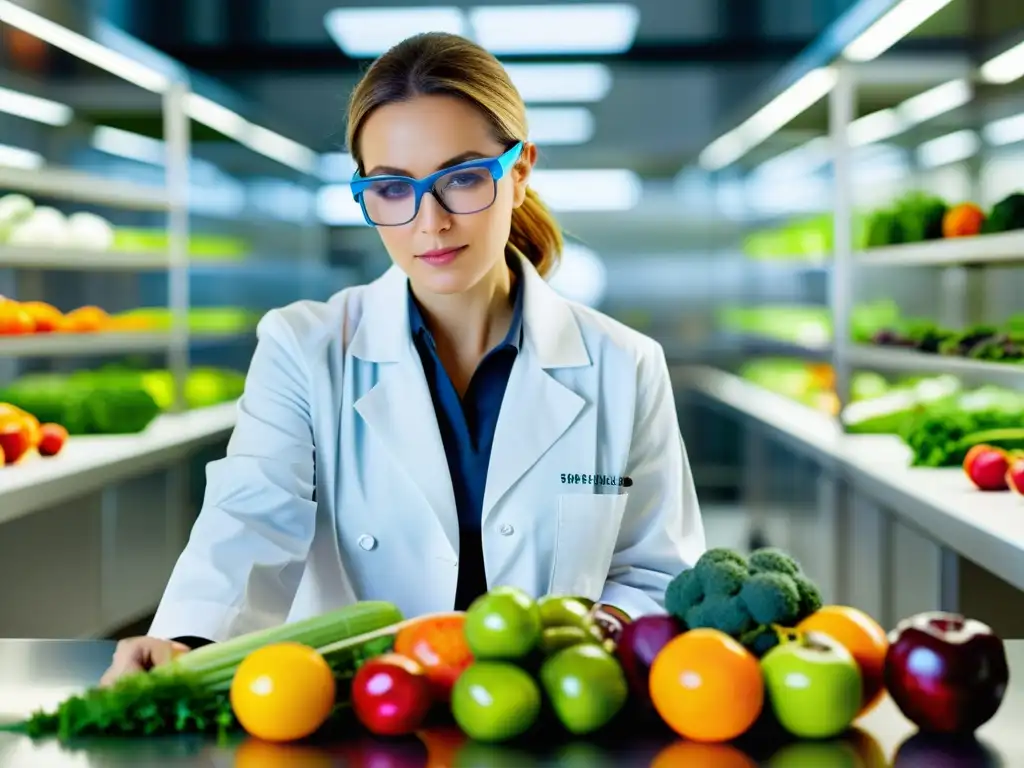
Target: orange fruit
863, 637
14, 320
963, 220
47, 317
85, 320
282, 692
706, 686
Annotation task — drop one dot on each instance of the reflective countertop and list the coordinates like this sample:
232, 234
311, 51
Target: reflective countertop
40, 673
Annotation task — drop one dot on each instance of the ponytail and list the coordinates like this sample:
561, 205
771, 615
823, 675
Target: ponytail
536, 234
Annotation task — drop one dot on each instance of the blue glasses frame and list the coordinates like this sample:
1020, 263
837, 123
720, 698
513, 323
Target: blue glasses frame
496, 166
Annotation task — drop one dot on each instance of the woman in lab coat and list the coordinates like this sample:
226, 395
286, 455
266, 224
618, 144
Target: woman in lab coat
453, 425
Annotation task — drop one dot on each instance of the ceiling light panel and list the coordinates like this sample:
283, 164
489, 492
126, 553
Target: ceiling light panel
365, 33
585, 28
560, 125
1006, 67
899, 22
560, 83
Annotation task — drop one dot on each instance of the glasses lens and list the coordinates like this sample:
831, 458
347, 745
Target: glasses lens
389, 203
466, 191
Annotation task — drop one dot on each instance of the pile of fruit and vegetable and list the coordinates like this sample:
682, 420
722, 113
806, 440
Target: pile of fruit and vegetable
744, 643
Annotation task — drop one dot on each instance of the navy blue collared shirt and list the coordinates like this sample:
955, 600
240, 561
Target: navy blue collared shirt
467, 426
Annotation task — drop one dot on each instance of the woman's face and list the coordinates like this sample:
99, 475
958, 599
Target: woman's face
416, 138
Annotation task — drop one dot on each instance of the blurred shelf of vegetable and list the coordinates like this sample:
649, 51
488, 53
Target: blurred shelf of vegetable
917, 471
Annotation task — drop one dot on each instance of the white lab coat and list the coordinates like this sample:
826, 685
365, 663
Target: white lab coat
335, 486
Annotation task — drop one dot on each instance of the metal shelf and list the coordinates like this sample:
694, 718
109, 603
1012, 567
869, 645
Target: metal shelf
41, 257
84, 188
82, 344
1005, 248
912, 361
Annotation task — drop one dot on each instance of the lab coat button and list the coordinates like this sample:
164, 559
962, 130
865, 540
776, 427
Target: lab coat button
506, 530
367, 542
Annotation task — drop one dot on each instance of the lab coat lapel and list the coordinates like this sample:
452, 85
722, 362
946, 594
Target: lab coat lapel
398, 409
537, 409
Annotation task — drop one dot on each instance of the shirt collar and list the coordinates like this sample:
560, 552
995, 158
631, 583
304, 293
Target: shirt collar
514, 337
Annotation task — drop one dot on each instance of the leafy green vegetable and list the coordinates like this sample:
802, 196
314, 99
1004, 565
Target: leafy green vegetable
192, 693
1006, 215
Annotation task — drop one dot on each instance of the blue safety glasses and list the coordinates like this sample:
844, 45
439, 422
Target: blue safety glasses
470, 187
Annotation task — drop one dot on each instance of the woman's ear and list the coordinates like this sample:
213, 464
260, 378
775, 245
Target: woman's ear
521, 172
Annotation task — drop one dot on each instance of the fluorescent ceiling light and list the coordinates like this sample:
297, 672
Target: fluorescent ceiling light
1006, 67
16, 157
34, 108
133, 146
336, 208
892, 27
560, 125
369, 32
951, 148
587, 190
545, 83
1007, 130
82, 47
796, 99
936, 101
801, 161
596, 28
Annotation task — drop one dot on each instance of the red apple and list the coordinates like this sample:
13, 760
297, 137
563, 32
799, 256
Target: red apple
986, 467
945, 672
1015, 475
642, 640
51, 439
15, 438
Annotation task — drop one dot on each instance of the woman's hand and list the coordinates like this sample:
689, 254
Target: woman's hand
140, 654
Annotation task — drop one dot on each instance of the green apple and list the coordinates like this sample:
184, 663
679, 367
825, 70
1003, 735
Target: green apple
503, 624
563, 611
586, 687
813, 685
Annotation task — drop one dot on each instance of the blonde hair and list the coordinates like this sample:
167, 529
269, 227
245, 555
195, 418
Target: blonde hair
438, 63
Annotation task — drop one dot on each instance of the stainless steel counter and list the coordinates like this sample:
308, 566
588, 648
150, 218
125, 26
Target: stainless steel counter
38, 673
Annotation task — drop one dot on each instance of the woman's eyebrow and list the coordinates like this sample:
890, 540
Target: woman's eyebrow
387, 170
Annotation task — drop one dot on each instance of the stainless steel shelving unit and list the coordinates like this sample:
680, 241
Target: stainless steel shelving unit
888, 537
93, 532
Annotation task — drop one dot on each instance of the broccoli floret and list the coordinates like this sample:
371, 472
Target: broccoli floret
696, 616
810, 597
719, 554
726, 614
683, 592
771, 598
722, 578
759, 640
771, 560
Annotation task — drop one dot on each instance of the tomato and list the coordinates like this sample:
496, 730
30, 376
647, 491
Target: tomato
391, 695
438, 644
283, 692
706, 686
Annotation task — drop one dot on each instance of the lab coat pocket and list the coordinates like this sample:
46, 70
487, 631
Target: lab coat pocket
588, 527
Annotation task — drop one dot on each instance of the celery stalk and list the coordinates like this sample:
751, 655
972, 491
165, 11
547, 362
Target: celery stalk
191, 693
